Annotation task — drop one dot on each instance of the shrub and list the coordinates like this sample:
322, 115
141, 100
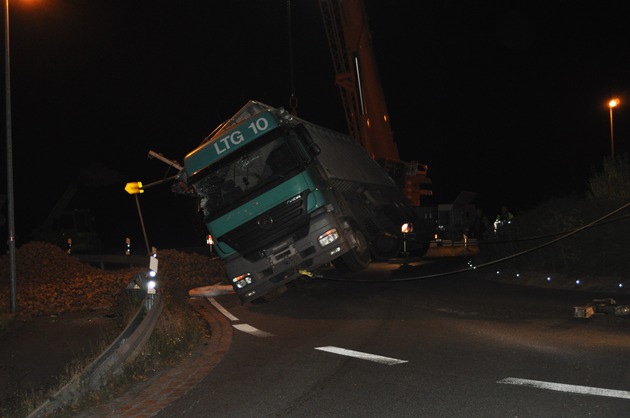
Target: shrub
575, 235
612, 182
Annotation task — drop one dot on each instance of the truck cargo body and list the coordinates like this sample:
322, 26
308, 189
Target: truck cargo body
282, 196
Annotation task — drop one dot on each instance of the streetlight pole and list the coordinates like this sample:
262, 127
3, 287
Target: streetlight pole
10, 205
611, 104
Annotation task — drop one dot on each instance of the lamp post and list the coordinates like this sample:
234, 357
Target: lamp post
613, 103
10, 205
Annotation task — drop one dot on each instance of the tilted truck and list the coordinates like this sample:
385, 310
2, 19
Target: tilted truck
281, 197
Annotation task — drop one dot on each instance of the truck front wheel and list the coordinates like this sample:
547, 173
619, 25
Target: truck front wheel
271, 295
356, 259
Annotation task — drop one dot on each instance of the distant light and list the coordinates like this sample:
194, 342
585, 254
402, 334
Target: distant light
620, 285
578, 282
498, 272
613, 102
548, 278
518, 275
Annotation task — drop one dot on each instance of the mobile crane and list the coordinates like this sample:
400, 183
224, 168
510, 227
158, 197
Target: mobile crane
349, 38
350, 42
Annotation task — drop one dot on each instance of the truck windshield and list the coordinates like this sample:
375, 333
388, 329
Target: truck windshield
249, 171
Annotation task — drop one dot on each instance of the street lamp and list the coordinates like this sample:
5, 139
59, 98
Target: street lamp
10, 205
613, 103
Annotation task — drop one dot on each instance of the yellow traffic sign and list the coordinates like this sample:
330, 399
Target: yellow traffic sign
134, 188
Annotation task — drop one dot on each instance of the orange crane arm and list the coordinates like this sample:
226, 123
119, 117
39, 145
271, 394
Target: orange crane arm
350, 42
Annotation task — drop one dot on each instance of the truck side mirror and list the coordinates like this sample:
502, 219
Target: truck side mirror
306, 139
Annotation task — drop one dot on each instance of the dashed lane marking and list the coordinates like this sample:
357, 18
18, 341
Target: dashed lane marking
336, 350
561, 387
241, 327
253, 331
364, 356
221, 309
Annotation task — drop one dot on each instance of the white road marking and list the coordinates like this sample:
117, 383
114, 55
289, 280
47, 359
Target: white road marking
584, 390
253, 331
364, 356
241, 327
222, 310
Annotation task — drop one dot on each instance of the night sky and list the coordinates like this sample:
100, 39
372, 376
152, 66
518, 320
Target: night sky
505, 99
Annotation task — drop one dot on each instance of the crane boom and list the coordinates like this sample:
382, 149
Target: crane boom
350, 42
357, 75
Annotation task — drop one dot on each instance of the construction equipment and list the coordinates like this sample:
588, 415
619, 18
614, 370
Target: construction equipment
350, 42
357, 76
349, 39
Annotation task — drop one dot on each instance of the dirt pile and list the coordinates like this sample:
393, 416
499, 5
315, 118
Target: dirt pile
50, 281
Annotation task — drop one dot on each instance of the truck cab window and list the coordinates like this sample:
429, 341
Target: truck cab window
279, 161
246, 172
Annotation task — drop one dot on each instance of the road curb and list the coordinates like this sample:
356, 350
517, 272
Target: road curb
150, 398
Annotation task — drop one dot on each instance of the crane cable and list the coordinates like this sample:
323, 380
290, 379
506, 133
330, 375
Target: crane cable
293, 101
489, 263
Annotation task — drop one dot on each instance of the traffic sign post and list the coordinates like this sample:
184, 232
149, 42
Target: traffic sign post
135, 188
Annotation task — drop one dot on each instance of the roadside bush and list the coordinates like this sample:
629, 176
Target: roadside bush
561, 233
600, 249
612, 182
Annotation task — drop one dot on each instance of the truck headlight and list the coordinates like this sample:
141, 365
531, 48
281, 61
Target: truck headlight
242, 280
328, 237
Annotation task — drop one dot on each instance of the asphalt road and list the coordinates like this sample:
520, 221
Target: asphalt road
394, 345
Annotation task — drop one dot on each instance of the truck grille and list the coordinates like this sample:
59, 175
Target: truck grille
287, 219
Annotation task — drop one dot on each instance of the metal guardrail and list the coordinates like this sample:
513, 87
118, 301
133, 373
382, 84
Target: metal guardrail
111, 361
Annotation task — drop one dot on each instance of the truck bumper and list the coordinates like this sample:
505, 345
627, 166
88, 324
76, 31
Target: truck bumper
285, 259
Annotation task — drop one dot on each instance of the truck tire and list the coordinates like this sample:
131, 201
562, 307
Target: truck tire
271, 295
356, 259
